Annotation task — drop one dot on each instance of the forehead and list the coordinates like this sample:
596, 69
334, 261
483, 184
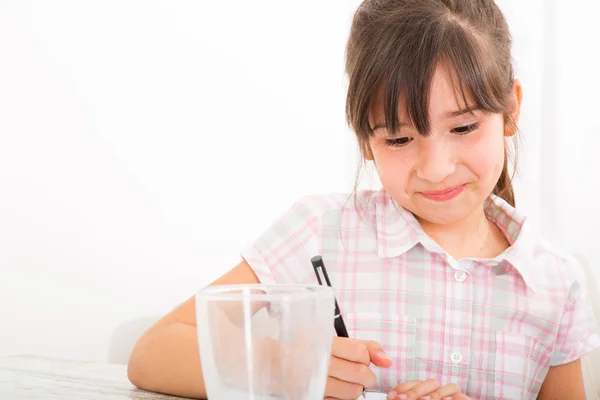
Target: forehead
444, 96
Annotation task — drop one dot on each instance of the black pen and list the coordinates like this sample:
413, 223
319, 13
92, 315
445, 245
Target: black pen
338, 321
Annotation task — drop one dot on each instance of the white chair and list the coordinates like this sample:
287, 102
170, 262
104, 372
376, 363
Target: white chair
124, 338
591, 362
126, 335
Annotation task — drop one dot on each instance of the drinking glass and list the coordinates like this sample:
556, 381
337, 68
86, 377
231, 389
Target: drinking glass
265, 342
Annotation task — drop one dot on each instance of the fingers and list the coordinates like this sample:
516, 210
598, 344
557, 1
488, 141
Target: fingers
352, 372
361, 351
350, 349
349, 369
414, 389
402, 389
377, 355
426, 390
447, 392
341, 390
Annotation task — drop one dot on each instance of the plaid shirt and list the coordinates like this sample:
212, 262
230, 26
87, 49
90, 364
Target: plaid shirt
492, 326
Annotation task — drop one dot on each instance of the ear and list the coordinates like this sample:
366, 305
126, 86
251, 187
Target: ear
514, 108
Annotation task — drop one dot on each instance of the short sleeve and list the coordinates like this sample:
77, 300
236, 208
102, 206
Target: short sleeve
578, 332
282, 253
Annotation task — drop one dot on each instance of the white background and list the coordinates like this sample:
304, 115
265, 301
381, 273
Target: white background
144, 143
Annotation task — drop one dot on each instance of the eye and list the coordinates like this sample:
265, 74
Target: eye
463, 130
399, 142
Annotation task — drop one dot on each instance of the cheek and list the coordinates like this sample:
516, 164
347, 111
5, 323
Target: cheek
393, 166
485, 155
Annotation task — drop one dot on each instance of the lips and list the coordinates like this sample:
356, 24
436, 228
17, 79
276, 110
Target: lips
444, 194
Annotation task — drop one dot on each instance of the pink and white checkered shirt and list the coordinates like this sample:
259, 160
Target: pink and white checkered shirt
492, 326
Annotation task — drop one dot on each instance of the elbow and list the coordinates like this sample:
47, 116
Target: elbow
133, 374
135, 366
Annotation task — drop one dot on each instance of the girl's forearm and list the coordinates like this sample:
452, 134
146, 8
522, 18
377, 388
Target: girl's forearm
166, 360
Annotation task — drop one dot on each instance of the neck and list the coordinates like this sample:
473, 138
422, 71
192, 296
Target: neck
472, 237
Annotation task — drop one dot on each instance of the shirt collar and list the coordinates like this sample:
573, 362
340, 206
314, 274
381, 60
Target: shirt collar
520, 254
398, 231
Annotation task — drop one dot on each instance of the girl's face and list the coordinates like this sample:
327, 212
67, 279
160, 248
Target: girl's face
445, 177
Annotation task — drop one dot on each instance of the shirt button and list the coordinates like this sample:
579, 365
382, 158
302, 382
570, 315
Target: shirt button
456, 358
460, 276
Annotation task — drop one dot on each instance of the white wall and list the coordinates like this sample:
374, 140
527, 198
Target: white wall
144, 143
577, 119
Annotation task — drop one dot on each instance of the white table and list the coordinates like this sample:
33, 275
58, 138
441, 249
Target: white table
31, 377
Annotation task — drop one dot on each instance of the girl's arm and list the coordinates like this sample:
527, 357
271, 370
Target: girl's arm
563, 382
166, 358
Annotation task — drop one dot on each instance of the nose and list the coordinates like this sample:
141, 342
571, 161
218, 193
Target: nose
436, 161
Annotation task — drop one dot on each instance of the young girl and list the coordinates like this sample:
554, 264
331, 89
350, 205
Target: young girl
446, 291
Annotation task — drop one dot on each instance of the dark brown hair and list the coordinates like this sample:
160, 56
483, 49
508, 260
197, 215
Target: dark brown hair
395, 46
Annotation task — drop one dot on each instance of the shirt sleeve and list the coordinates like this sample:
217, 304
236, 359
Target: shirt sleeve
282, 253
578, 332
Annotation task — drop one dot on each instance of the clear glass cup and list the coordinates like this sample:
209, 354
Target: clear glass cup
264, 342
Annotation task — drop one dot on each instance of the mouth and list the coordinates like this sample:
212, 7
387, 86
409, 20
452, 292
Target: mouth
445, 194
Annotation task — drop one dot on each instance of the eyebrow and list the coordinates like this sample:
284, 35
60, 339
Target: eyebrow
462, 111
449, 114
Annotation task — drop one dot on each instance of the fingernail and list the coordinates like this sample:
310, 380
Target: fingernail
447, 398
392, 395
426, 398
401, 396
383, 355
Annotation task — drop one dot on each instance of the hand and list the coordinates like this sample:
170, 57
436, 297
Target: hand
349, 369
426, 390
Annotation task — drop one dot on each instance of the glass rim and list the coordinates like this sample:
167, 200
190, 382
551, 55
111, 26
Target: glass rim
264, 291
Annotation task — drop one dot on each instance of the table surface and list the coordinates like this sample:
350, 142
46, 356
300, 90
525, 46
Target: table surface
33, 377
